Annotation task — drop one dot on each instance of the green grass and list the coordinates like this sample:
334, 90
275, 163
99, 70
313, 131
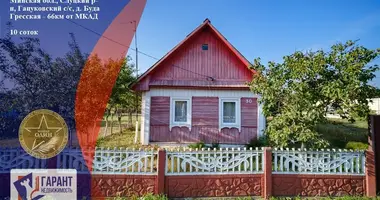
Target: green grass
124, 120
113, 125
326, 198
124, 139
341, 134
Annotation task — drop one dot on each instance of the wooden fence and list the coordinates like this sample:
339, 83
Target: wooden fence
208, 172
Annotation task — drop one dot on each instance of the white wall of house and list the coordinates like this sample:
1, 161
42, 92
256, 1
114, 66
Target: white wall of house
145, 118
186, 93
375, 105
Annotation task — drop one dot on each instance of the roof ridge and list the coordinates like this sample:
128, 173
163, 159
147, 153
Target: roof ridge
219, 35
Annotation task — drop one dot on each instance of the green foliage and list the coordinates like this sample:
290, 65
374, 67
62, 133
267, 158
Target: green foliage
122, 96
198, 145
357, 146
38, 79
215, 145
153, 197
298, 92
326, 198
123, 99
260, 142
339, 132
100, 141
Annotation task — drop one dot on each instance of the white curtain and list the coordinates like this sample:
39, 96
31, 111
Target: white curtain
229, 112
180, 111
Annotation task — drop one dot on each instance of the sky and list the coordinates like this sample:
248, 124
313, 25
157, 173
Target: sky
257, 28
267, 29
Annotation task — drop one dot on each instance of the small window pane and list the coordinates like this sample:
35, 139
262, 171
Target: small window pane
229, 112
204, 46
180, 111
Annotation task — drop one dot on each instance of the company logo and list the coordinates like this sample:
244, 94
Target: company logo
35, 184
43, 134
26, 188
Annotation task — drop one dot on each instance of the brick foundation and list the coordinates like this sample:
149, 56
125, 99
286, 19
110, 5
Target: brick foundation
318, 185
123, 185
213, 185
264, 183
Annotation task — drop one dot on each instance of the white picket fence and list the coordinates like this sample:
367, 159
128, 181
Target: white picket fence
195, 162
16, 158
216, 161
291, 161
111, 161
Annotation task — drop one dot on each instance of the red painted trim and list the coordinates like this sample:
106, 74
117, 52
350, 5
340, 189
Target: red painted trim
160, 186
267, 190
370, 174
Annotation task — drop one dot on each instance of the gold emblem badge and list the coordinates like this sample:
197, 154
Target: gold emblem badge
43, 134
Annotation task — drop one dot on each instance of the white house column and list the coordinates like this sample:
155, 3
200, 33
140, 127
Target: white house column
260, 119
145, 118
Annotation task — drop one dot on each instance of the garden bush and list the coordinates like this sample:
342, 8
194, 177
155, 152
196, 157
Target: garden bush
260, 142
198, 145
357, 146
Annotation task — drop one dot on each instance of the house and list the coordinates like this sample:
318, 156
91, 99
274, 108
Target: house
198, 92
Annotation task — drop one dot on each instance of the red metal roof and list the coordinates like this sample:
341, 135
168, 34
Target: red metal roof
206, 23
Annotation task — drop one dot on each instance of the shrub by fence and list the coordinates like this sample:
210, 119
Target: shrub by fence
211, 172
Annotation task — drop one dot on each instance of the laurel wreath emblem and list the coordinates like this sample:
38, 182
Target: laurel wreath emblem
48, 146
43, 121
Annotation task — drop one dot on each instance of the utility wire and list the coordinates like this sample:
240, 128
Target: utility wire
150, 56
112, 40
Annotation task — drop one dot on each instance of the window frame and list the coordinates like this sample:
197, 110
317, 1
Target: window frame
205, 47
237, 123
173, 123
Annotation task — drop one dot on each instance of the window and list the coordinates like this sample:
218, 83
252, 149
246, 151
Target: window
180, 112
204, 46
229, 113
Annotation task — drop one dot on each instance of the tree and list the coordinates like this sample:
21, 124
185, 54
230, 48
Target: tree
298, 92
39, 81
94, 82
122, 97
377, 92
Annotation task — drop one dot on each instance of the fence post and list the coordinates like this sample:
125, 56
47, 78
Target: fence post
160, 181
267, 172
370, 176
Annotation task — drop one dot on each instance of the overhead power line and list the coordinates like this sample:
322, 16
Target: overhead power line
116, 42
143, 53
